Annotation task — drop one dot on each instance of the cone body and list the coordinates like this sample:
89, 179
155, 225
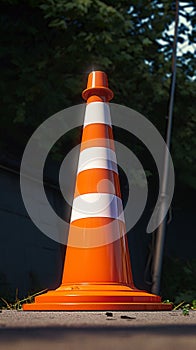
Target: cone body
97, 272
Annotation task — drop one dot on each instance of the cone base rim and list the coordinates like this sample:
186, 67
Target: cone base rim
94, 297
97, 307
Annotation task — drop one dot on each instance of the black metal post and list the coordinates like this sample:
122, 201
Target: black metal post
161, 230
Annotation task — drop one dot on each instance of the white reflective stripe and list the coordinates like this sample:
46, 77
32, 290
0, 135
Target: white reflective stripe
97, 157
97, 205
97, 112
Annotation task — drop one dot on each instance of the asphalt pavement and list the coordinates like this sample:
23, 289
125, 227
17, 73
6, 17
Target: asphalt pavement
27, 330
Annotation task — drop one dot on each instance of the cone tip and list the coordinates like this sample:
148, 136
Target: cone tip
97, 85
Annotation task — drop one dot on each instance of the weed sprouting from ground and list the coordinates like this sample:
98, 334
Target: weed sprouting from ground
17, 304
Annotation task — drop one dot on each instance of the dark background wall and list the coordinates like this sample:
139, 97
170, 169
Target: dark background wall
30, 261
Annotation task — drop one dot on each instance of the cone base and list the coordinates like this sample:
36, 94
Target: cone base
97, 298
98, 307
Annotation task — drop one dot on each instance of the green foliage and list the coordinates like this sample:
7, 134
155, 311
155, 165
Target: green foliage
48, 47
178, 280
185, 310
186, 307
194, 304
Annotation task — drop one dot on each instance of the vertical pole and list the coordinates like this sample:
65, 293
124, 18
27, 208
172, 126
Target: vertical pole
161, 231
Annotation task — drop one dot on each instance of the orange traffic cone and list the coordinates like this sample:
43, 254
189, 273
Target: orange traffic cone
97, 271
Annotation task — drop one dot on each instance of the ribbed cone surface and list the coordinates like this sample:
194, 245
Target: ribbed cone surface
97, 271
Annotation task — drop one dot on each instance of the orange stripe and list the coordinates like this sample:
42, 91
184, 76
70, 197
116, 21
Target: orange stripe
97, 181
96, 98
107, 246
91, 222
97, 135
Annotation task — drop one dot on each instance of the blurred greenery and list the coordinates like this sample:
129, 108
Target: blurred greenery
178, 280
48, 48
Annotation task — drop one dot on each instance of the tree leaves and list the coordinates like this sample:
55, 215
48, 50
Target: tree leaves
49, 46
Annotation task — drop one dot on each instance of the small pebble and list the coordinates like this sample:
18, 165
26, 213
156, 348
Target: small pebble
127, 317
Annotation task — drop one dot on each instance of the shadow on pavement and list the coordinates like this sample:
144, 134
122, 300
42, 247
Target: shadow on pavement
52, 332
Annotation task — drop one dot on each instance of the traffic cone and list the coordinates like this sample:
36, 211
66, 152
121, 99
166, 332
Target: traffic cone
97, 272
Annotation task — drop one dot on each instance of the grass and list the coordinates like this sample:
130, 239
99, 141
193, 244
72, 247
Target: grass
17, 304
